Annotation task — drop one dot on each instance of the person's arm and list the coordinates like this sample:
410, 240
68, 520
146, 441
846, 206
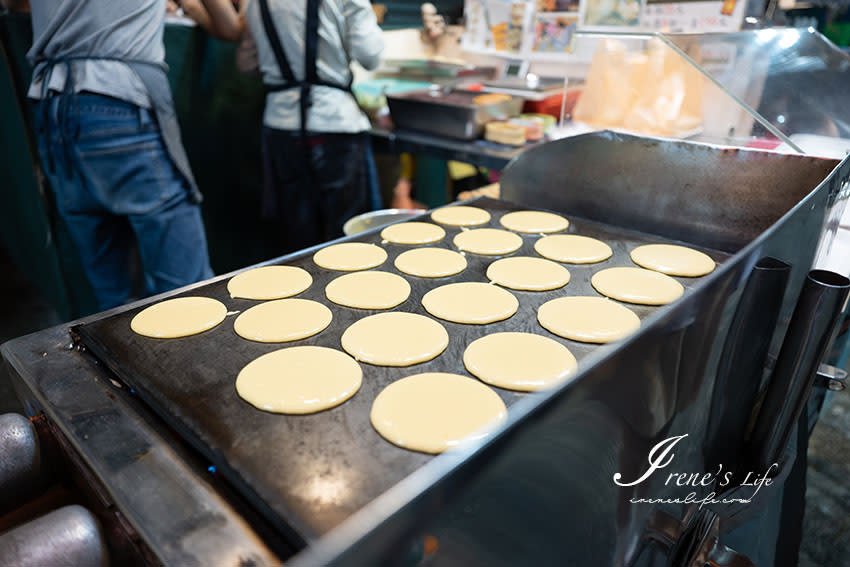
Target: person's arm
247, 61
363, 36
195, 10
224, 21
15, 5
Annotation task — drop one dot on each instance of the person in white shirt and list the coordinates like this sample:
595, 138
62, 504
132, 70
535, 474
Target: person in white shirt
315, 137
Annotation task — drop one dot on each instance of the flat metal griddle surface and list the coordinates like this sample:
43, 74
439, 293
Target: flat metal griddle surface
308, 473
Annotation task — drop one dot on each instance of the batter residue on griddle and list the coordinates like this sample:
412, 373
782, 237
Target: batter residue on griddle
413, 232
471, 303
525, 273
350, 256
519, 361
637, 285
534, 222
298, 380
488, 241
269, 282
572, 249
460, 215
588, 319
395, 339
673, 260
436, 411
179, 317
430, 262
368, 290
282, 320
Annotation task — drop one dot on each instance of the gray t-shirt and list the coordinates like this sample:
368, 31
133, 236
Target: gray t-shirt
123, 29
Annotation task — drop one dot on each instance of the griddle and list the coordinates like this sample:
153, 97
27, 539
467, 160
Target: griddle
308, 473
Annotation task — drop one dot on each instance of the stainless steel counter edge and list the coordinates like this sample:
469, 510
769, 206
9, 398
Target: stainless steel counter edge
174, 509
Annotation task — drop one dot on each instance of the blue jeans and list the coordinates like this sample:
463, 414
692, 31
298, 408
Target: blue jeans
116, 188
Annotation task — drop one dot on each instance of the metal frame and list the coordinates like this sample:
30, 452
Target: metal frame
170, 503
563, 445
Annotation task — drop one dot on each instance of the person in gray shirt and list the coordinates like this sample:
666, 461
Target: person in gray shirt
110, 144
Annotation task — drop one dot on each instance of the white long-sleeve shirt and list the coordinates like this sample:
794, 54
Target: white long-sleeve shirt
348, 31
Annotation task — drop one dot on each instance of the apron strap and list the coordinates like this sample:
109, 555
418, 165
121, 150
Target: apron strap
311, 75
311, 41
274, 42
159, 91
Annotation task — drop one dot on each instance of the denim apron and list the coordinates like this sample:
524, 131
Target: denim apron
154, 78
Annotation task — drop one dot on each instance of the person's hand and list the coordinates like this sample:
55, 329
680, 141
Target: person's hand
171, 7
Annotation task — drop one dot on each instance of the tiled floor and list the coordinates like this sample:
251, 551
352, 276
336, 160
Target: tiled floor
826, 527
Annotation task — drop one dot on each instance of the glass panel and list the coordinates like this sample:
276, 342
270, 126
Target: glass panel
643, 84
795, 78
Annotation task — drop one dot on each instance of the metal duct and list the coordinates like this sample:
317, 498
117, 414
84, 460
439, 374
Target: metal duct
809, 334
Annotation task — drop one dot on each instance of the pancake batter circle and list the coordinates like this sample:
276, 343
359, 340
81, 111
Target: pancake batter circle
395, 339
299, 380
430, 262
179, 317
519, 361
368, 290
673, 260
413, 233
488, 241
588, 319
269, 282
471, 303
350, 256
525, 273
283, 320
573, 249
637, 285
460, 215
436, 411
534, 222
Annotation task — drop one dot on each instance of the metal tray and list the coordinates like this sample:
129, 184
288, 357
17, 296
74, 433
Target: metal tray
451, 114
309, 473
